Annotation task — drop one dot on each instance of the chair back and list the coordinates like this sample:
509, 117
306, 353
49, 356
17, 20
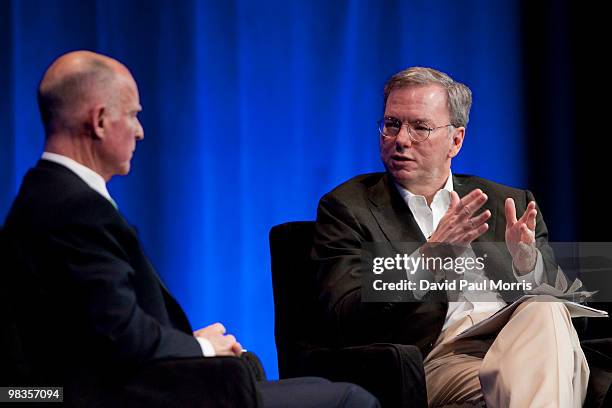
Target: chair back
297, 314
13, 367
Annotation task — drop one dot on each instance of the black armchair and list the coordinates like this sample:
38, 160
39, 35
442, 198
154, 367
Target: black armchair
392, 372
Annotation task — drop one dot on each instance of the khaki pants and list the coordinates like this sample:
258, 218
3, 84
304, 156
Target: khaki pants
534, 361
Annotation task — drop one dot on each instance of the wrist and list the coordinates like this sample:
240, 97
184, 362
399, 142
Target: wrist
207, 348
527, 263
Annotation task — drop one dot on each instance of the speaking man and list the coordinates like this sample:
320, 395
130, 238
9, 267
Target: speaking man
536, 359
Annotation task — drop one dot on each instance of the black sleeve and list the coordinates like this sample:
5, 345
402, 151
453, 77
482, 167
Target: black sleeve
337, 256
94, 262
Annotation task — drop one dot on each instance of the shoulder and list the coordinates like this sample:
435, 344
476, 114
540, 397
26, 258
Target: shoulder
51, 196
356, 188
488, 186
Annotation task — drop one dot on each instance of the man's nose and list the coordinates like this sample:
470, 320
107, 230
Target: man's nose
140, 132
403, 140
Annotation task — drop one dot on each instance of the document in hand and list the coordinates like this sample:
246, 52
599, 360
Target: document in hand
496, 322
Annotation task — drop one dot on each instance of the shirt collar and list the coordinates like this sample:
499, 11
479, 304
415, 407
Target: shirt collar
407, 195
90, 177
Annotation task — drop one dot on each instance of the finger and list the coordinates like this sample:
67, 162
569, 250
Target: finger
471, 203
531, 221
510, 210
480, 219
528, 218
454, 201
237, 349
205, 331
225, 345
530, 207
475, 233
472, 197
533, 213
218, 328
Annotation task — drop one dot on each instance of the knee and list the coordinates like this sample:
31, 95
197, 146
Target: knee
544, 306
356, 397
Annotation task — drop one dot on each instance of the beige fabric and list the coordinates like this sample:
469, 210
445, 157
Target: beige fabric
451, 368
534, 361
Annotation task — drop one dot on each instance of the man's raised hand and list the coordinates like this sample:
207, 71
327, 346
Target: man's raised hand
520, 236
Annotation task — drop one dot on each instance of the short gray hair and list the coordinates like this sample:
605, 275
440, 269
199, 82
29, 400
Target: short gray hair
458, 95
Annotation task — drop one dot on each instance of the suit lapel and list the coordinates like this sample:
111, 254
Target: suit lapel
392, 213
396, 220
398, 224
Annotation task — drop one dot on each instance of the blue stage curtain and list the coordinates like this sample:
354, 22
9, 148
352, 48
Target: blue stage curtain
252, 111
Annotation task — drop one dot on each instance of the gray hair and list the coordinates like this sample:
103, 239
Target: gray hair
459, 96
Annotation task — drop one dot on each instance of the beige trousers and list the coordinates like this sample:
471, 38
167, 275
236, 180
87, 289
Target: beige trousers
534, 361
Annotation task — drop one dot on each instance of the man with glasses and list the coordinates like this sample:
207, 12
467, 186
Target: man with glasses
535, 359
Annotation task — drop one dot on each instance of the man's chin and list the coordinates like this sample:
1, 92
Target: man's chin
403, 176
124, 170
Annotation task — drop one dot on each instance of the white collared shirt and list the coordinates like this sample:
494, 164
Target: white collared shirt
428, 218
97, 183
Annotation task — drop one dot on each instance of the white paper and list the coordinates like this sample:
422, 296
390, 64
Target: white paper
496, 322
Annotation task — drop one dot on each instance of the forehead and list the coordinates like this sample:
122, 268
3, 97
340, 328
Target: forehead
126, 88
417, 102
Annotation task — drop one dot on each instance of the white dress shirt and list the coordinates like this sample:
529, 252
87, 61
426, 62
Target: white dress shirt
428, 218
97, 183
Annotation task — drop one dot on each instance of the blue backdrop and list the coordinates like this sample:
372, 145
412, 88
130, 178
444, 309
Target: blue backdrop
252, 111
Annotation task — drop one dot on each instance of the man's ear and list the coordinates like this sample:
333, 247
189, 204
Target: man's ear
457, 135
98, 120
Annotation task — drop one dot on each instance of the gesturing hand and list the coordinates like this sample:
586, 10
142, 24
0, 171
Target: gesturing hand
459, 225
224, 344
520, 236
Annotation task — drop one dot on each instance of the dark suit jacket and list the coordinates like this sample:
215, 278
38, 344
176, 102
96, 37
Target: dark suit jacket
87, 300
368, 208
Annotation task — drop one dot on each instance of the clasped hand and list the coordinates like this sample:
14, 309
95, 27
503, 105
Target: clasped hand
224, 344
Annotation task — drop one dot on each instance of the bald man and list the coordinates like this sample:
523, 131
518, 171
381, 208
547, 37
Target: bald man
90, 304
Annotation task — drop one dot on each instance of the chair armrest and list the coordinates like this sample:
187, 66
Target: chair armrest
392, 372
256, 366
190, 382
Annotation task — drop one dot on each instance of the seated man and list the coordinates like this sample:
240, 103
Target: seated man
535, 359
90, 305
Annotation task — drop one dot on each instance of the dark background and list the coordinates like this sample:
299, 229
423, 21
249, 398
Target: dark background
567, 107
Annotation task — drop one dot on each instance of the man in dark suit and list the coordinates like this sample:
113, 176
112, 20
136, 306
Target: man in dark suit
536, 357
90, 307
